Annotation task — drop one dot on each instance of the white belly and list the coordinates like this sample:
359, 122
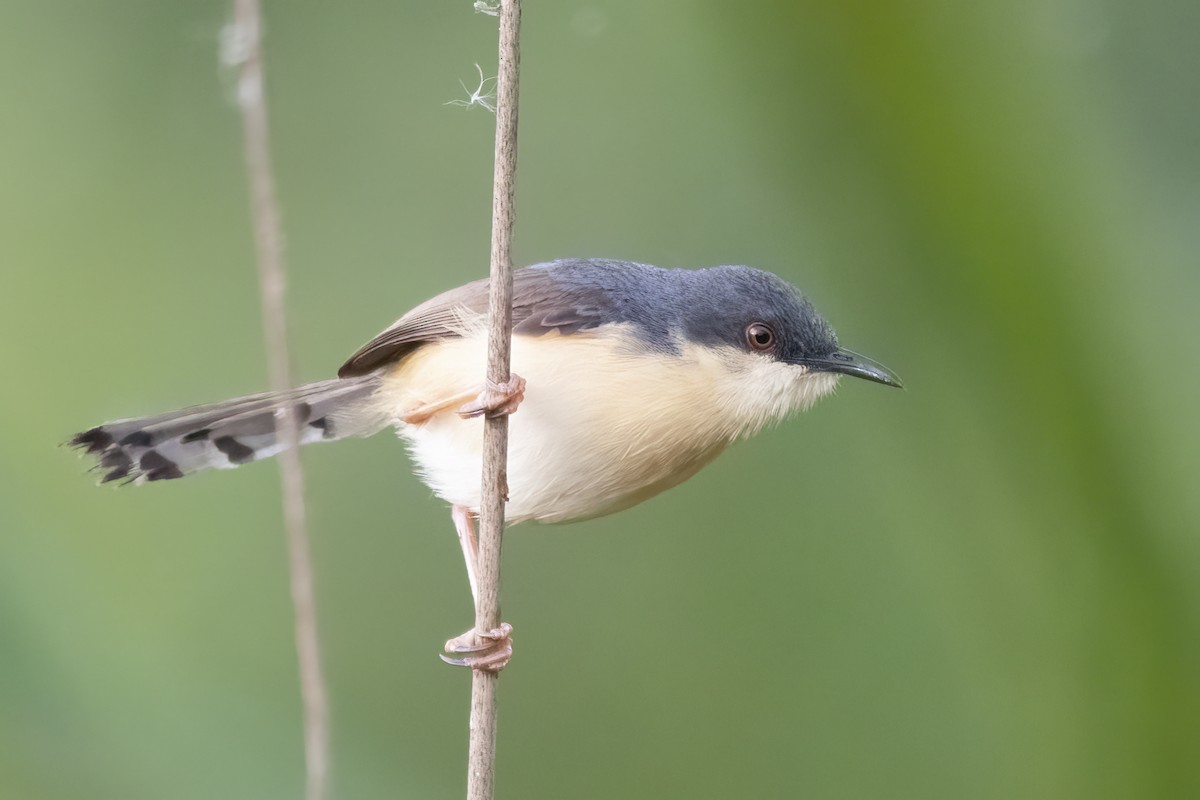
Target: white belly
598, 431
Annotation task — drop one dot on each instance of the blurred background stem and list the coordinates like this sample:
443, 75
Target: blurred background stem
242, 47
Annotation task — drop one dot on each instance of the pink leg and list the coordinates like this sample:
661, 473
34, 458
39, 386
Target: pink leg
470, 547
422, 414
486, 650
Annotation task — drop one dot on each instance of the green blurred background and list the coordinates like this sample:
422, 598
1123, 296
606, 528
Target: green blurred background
987, 586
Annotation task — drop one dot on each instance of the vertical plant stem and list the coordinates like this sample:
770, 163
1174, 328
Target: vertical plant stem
481, 763
243, 47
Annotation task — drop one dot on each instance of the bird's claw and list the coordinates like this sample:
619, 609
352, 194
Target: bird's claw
496, 399
489, 651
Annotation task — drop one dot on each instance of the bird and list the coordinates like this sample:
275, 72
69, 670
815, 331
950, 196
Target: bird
627, 379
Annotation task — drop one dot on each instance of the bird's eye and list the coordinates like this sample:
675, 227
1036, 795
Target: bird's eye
760, 336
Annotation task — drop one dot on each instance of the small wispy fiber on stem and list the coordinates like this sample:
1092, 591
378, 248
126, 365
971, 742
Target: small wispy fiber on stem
481, 763
483, 95
241, 49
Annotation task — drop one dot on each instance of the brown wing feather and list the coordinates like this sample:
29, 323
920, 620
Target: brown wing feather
540, 304
429, 322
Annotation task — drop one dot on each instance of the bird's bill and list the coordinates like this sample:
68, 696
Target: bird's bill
847, 362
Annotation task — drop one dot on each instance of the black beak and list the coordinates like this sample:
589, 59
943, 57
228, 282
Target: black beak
847, 362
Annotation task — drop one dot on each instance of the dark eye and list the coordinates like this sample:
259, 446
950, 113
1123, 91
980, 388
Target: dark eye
760, 336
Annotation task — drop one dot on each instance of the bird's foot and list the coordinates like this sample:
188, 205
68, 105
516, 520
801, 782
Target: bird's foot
496, 399
485, 650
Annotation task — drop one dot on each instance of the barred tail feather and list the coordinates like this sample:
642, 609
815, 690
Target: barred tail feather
228, 434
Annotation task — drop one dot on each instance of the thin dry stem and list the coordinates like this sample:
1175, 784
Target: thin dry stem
481, 763
242, 48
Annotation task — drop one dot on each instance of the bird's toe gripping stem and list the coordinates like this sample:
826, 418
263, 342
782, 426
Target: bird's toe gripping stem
489, 651
496, 399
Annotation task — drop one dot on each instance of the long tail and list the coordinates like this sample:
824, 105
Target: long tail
228, 434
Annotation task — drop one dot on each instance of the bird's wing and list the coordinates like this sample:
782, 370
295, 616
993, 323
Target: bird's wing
540, 304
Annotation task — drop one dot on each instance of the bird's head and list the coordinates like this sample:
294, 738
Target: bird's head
778, 354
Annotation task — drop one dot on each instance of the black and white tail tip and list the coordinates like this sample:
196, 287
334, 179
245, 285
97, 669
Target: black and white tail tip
229, 434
